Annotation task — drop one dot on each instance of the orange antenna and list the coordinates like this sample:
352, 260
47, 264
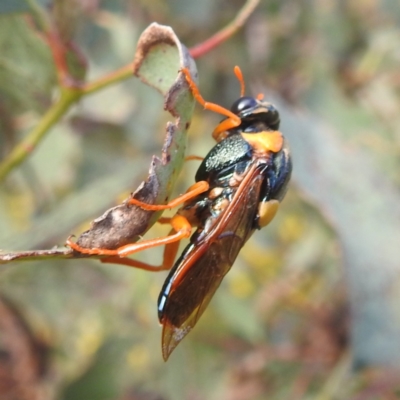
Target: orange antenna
239, 75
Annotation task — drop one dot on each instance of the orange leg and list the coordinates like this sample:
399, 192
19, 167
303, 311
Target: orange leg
180, 225
193, 157
193, 191
169, 256
170, 252
232, 121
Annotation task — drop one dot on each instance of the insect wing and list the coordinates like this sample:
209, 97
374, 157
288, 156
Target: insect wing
201, 271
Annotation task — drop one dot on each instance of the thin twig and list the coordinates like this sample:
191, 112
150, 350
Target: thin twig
35, 255
221, 36
70, 93
113, 77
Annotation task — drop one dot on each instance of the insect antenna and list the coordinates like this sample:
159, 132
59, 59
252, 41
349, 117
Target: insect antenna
239, 76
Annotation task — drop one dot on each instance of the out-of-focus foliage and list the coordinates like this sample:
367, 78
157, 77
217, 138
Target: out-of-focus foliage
320, 283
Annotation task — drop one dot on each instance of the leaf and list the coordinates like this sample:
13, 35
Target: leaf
27, 74
159, 57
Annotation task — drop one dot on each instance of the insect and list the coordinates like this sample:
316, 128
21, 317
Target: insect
238, 188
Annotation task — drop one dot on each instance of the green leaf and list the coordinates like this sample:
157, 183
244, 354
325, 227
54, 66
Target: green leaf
27, 74
159, 58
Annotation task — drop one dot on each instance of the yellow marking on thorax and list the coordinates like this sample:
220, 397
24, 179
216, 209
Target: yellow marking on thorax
264, 141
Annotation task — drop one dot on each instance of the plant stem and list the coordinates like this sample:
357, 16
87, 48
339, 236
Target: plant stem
113, 77
29, 143
227, 32
70, 95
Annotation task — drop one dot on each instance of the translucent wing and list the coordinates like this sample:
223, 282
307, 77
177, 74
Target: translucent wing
203, 265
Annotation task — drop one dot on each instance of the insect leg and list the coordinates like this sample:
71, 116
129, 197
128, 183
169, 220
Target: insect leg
232, 120
170, 251
193, 157
193, 191
181, 227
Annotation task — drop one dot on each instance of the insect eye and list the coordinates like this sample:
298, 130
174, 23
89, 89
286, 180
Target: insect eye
243, 103
272, 118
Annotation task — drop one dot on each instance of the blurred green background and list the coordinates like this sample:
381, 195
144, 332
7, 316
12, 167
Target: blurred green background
311, 308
